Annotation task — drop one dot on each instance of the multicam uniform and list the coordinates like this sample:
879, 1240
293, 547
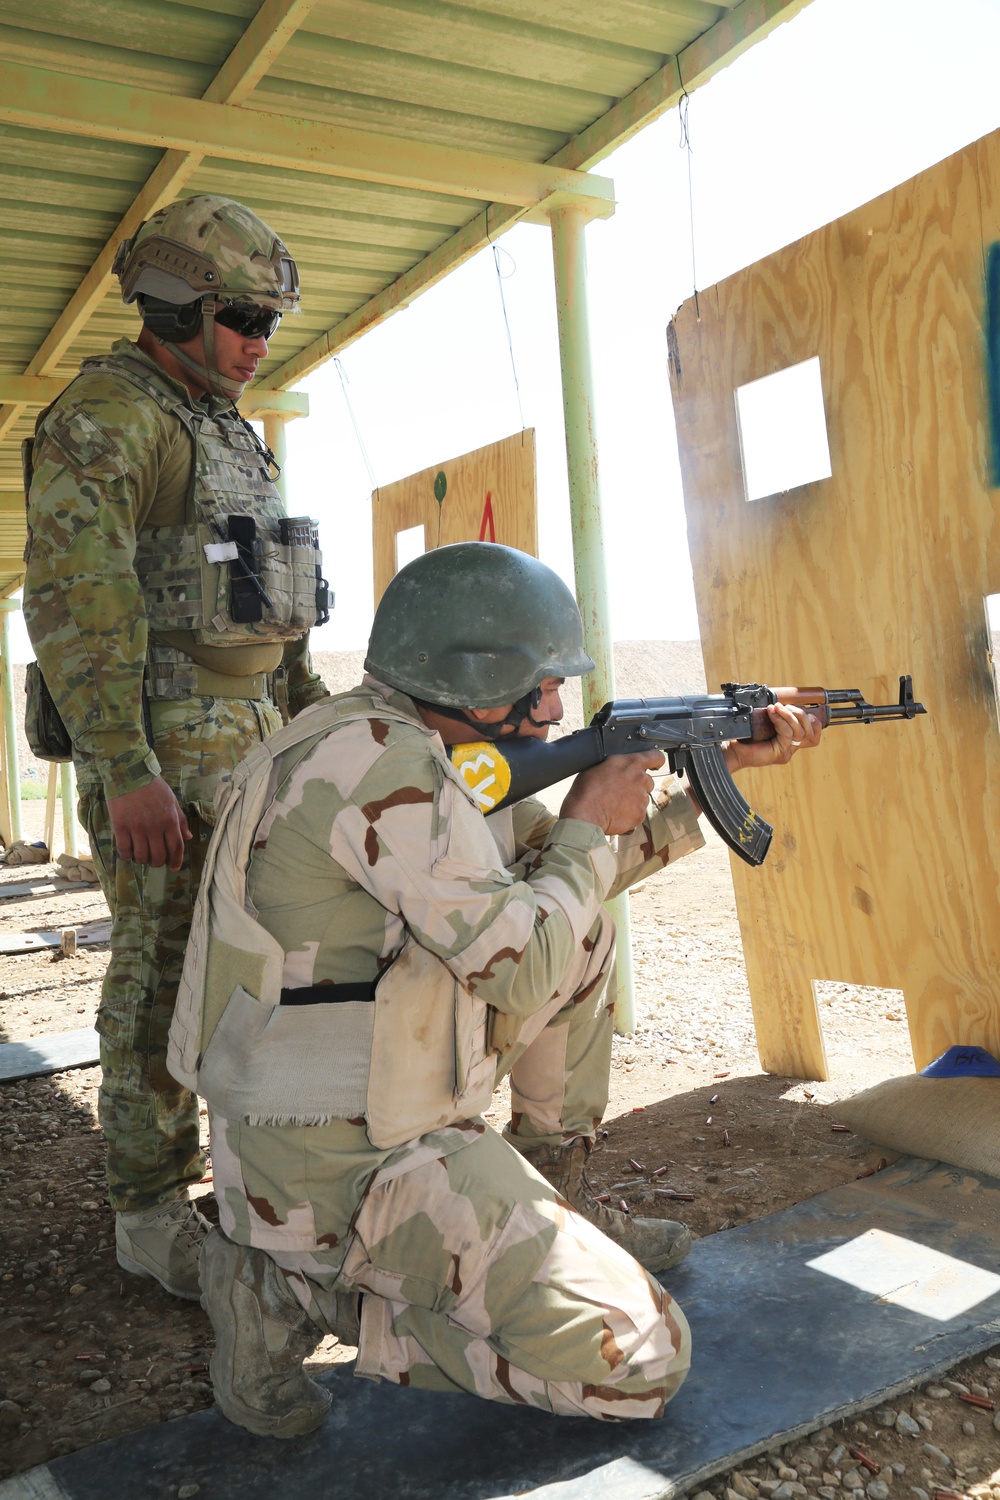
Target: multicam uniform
118, 464
347, 1137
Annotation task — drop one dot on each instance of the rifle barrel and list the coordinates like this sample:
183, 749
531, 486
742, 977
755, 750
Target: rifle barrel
849, 705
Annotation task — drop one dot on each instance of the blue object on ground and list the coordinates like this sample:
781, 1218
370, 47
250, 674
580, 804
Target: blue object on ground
963, 1062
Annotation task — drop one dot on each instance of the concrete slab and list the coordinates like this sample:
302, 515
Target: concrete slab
31, 942
31, 890
49, 1054
781, 1347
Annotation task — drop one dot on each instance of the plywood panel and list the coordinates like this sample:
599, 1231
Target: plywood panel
883, 870
488, 495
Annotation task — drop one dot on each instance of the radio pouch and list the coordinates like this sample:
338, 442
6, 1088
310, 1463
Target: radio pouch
246, 604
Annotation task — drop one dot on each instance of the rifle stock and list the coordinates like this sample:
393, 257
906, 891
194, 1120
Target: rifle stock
692, 731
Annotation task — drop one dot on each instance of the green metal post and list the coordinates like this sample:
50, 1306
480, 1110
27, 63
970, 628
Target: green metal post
9, 721
67, 788
569, 256
274, 437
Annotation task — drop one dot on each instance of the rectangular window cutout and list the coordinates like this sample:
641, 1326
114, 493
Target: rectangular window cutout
992, 603
409, 544
782, 426
863, 1021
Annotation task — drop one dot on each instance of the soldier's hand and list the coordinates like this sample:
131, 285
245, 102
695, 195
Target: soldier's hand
614, 794
794, 729
149, 825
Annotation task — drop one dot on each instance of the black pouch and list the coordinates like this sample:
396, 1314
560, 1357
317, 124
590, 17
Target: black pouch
247, 596
47, 735
43, 727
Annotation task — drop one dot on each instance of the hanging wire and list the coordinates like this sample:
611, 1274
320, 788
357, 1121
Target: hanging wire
503, 303
260, 445
683, 104
344, 381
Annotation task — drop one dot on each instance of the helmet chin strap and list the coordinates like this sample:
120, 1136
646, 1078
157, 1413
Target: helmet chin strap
228, 390
519, 711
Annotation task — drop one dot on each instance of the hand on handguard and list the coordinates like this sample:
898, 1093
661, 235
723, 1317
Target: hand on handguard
795, 729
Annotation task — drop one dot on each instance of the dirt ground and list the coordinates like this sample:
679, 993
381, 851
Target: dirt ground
88, 1352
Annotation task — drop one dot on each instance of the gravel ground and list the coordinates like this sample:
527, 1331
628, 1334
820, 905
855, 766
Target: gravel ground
87, 1352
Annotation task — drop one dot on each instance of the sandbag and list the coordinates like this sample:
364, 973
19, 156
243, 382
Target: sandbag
953, 1120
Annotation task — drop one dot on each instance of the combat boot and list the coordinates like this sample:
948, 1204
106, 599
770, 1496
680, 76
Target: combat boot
163, 1243
262, 1335
656, 1244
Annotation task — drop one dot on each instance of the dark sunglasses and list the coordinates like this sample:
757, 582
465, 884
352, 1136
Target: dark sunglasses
248, 319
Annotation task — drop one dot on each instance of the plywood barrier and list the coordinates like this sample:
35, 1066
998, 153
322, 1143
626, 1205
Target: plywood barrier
884, 868
488, 495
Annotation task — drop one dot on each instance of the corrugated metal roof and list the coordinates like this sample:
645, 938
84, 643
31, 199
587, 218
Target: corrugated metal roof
509, 79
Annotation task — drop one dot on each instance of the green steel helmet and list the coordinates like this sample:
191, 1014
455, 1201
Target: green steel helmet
475, 625
207, 246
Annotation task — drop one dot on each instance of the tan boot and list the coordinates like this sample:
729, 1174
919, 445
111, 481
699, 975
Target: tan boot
656, 1244
163, 1243
262, 1335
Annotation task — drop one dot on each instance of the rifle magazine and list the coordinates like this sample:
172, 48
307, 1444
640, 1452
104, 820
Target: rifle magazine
732, 817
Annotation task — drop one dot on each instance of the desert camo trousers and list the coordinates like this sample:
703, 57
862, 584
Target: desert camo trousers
149, 1122
559, 1059
478, 1277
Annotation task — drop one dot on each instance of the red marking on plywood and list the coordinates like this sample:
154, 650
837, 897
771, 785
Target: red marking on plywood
487, 523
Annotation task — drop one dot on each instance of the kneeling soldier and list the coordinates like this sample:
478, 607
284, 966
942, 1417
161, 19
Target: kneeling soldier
369, 955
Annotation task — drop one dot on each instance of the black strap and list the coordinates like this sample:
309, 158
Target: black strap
519, 710
329, 994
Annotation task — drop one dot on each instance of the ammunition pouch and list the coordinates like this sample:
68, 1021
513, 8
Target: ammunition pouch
234, 585
47, 735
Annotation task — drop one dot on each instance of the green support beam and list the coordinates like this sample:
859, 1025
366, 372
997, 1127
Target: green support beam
12, 789
274, 437
569, 258
40, 100
30, 390
67, 795
40, 390
259, 402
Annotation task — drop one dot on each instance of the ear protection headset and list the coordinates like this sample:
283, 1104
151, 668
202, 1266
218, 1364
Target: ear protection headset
173, 322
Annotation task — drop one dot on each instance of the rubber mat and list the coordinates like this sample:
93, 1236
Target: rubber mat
797, 1319
49, 1054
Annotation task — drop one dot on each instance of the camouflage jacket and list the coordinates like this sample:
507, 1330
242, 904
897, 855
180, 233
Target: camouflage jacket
348, 846
372, 834
108, 461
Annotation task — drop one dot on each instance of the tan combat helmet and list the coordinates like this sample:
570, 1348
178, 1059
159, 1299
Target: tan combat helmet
204, 260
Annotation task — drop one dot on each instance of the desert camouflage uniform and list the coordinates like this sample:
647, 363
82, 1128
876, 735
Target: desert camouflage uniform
108, 462
479, 1277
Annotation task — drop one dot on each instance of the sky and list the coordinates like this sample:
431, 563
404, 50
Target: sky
843, 102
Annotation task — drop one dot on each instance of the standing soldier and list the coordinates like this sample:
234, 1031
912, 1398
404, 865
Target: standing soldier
168, 600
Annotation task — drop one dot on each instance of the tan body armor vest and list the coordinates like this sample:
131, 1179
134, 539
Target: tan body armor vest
413, 1060
186, 572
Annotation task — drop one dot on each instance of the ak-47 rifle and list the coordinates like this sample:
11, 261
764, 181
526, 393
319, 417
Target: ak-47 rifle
691, 731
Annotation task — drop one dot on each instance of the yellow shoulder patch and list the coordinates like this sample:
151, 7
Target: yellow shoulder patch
484, 770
